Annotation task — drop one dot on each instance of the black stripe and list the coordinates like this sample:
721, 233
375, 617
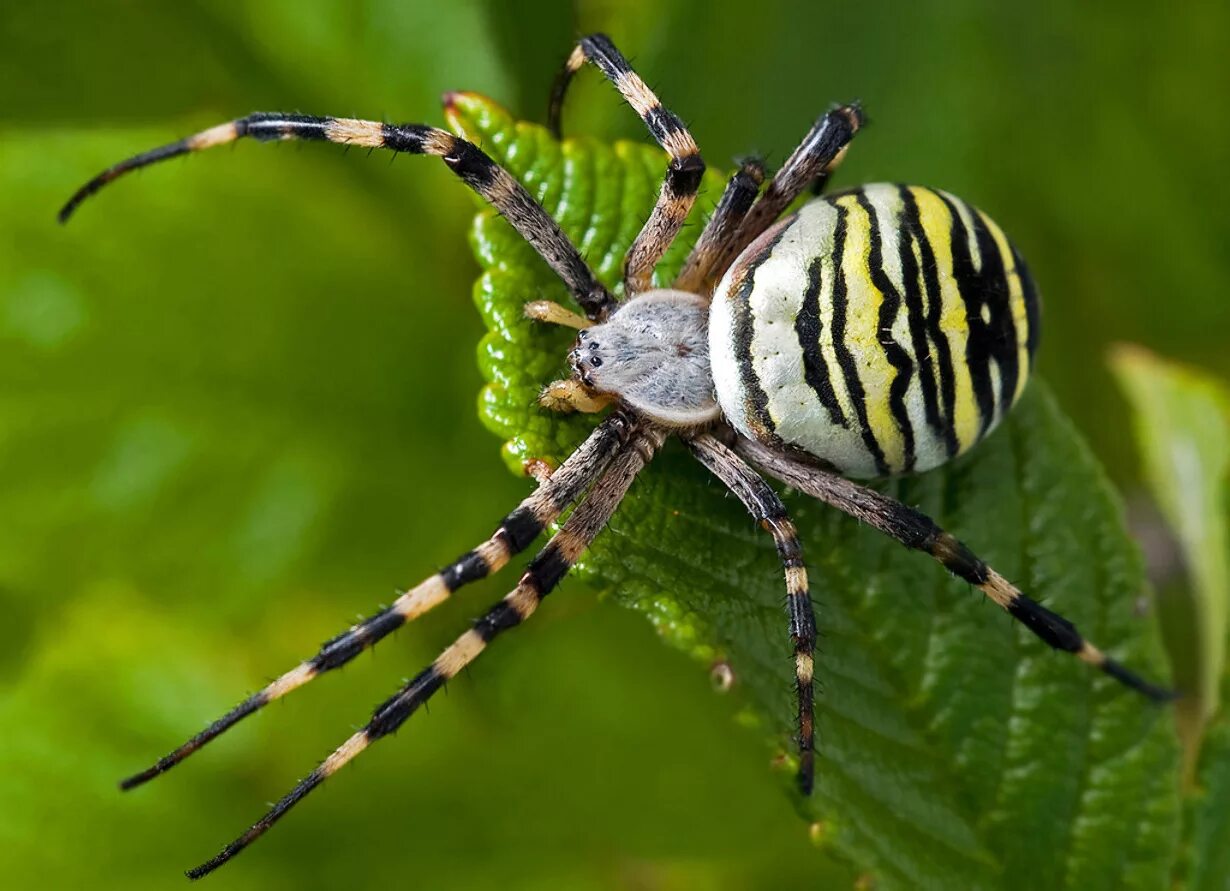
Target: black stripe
742, 330
545, 570
1054, 629
1033, 308
662, 123
341, 649
302, 788
942, 364
1003, 335
808, 328
958, 559
268, 126
520, 528
231, 718
845, 359
684, 174
743, 188
410, 137
897, 355
916, 314
802, 622
499, 618
807, 734
601, 51
470, 567
172, 150
393, 712
978, 290
790, 550
1131, 679
473, 166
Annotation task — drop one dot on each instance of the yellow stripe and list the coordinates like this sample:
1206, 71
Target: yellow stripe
463, 651
345, 753
937, 225
1016, 302
349, 131
862, 333
425, 596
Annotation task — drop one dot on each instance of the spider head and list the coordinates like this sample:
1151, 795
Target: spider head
589, 356
653, 354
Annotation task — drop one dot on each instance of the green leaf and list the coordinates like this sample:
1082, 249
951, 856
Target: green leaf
1182, 421
1182, 425
1207, 824
956, 750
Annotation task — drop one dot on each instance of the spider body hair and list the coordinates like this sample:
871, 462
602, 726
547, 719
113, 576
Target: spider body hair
653, 354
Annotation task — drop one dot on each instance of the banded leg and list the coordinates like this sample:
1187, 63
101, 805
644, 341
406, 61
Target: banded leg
821, 150
514, 534
541, 576
733, 206
683, 173
916, 530
767, 509
469, 162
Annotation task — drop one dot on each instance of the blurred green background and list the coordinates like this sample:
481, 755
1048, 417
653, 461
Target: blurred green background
237, 405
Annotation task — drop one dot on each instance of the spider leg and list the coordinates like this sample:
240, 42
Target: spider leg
766, 508
916, 530
552, 313
683, 173
541, 576
514, 534
731, 208
821, 150
569, 395
466, 160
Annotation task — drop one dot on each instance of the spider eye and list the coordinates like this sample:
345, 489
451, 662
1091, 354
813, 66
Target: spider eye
595, 361
594, 345
584, 335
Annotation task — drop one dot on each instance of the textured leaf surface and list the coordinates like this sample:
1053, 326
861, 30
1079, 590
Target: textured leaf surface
956, 751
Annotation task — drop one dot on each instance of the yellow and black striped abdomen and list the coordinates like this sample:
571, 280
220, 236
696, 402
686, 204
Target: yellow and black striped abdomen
883, 330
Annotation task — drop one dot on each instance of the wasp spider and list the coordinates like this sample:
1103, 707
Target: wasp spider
876, 332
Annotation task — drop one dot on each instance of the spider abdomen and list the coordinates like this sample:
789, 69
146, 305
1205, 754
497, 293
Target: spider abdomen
883, 330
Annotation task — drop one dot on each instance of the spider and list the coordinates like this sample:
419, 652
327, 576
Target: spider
872, 333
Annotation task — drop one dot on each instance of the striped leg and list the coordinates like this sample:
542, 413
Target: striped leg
918, 531
821, 150
683, 173
764, 506
513, 535
543, 573
474, 167
733, 206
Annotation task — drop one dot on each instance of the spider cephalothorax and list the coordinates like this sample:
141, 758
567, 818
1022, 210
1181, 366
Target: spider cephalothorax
653, 355
872, 333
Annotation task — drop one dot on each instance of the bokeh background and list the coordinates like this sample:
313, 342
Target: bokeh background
237, 405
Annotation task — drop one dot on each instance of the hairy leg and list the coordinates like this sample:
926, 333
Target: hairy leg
683, 172
514, 534
466, 160
733, 206
821, 150
767, 509
916, 530
541, 576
